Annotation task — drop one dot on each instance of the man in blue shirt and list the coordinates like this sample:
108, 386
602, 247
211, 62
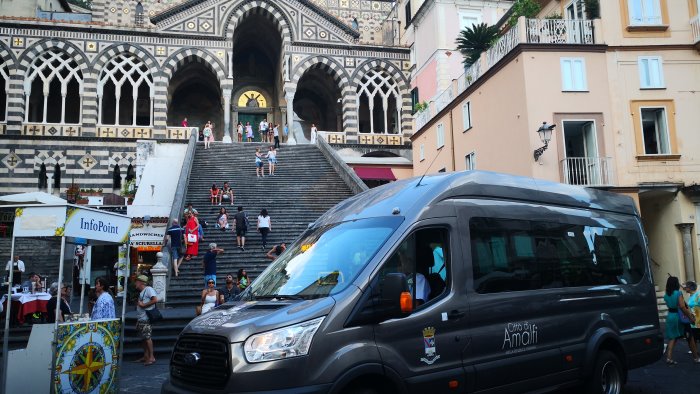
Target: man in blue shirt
209, 263
175, 235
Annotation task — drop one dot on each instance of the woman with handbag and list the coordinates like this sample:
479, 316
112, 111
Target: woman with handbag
210, 296
192, 237
676, 304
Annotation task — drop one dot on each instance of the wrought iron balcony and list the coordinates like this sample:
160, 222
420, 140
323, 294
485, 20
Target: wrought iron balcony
588, 171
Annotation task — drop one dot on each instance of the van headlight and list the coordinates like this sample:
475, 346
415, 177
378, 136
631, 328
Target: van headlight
282, 343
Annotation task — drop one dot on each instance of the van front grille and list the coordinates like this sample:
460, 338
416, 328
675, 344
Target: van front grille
201, 361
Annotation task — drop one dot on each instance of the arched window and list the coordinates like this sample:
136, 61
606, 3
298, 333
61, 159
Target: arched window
130, 173
43, 179
57, 177
117, 178
4, 89
379, 103
125, 92
53, 89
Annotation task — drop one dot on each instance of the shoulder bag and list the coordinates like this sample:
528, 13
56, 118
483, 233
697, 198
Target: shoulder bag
154, 314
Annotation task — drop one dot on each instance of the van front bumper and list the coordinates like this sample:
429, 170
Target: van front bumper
169, 388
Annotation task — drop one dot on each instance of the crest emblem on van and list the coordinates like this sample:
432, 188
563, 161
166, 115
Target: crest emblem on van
429, 344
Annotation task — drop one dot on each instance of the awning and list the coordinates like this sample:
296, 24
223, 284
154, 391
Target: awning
375, 173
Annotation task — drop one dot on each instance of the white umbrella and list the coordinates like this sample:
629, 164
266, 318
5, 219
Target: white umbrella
31, 198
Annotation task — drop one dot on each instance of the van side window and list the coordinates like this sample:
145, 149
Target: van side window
424, 258
516, 255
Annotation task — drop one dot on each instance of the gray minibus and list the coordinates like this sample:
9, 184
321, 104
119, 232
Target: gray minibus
461, 282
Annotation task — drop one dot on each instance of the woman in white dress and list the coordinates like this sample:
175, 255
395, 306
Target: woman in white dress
209, 297
314, 131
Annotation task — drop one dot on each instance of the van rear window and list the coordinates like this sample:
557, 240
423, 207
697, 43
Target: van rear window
517, 255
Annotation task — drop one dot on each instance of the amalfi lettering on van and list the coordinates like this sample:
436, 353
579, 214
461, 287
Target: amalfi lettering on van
519, 336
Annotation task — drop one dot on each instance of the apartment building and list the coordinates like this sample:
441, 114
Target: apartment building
622, 92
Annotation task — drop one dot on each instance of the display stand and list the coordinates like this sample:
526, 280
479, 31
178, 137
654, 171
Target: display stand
75, 357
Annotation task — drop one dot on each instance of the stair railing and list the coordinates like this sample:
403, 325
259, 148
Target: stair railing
346, 173
179, 201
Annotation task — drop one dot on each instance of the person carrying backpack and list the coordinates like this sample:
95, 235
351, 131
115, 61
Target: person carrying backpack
240, 223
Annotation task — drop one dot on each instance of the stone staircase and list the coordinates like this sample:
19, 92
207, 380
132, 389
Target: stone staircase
304, 186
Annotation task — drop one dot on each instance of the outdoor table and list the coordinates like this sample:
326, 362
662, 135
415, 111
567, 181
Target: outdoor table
28, 303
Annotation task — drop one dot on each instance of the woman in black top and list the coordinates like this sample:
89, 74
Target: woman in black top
51, 305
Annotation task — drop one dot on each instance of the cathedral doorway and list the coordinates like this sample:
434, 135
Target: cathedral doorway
194, 93
257, 48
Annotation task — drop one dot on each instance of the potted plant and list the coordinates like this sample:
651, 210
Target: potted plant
129, 190
73, 193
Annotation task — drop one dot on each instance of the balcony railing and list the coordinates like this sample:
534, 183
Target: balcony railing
588, 171
559, 31
695, 28
532, 31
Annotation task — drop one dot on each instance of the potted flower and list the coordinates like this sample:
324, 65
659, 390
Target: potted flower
73, 193
129, 190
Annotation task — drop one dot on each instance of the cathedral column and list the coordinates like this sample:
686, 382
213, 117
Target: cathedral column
289, 96
91, 99
227, 116
350, 108
159, 102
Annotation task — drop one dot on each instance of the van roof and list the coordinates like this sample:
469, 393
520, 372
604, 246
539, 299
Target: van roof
410, 196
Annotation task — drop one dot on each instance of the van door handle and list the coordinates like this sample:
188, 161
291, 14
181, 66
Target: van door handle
455, 314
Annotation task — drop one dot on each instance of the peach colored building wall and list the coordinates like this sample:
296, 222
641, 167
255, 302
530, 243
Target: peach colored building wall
508, 108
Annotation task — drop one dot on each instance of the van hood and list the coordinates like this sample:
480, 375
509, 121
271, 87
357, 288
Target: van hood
239, 320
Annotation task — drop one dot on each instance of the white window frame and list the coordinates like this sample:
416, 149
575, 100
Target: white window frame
658, 136
422, 152
647, 17
440, 135
645, 66
467, 116
471, 14
570, 85
470, 161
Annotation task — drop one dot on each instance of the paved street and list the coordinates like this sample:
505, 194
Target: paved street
655, 379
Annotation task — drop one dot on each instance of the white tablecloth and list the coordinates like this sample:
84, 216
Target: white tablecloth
24, 298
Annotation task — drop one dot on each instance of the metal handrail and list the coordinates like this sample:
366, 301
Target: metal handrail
179, 200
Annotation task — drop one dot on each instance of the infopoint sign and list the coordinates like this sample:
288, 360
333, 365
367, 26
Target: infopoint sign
97, 225
71, 222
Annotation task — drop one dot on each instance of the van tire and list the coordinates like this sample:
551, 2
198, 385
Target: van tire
608, 375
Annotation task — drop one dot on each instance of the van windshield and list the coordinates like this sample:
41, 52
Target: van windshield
324, 260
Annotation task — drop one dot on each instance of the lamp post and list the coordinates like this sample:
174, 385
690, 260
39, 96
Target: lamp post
545, 132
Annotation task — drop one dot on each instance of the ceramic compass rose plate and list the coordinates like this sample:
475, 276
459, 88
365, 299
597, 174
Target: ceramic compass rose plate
87, 358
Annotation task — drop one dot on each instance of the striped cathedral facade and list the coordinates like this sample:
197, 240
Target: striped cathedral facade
80, 91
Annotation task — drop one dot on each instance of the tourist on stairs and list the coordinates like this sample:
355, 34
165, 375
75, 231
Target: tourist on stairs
240, 224
214, 195
222, 220
192, 236
239, 129
264, 227
208, 134
272, 160
259, 170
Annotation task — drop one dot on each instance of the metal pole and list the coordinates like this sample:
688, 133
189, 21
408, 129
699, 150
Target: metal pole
121, 345
54, 343
6, 337
82, 279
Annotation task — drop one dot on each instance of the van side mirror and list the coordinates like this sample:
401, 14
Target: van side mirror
387, 298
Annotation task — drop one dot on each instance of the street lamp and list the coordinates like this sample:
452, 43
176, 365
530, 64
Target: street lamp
545, 132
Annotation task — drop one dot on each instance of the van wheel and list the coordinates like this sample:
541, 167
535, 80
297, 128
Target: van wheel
608, 375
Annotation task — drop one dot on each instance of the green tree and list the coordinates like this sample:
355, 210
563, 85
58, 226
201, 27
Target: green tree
526, 8
474, 40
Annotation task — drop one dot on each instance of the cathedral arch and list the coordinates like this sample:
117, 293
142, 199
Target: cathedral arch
194, 89
263, 8
319, 83
125, 91
53, 88
380, 88
7, 65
